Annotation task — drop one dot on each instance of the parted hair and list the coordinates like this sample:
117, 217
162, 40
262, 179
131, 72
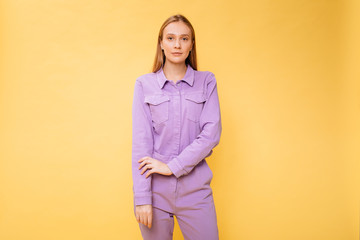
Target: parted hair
160, 56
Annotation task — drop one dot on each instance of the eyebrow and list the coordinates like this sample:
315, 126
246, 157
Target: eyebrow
180, 34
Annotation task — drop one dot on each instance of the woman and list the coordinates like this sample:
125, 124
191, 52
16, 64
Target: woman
176, 124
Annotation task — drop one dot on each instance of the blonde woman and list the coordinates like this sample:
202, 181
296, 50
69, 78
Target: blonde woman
176, 124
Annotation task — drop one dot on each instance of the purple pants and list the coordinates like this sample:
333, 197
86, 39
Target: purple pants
189, 198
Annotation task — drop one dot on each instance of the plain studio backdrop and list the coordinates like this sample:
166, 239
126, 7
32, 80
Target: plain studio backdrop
287, 166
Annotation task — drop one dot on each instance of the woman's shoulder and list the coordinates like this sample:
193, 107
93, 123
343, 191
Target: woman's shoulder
205, 74
146, 77
148, 82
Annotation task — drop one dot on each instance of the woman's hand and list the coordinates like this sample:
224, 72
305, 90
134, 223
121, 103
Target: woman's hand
143, 214
154, 166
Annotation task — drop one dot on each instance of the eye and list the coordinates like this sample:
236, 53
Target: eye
169, 38
185, 39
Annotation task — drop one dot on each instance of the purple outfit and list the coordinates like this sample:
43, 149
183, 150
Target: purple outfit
178, 124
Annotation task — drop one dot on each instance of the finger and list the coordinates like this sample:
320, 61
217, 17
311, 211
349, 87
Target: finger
137, 217
146, 168
142, 159
145, 220
144, 163
142, 219
149, 173
150, 220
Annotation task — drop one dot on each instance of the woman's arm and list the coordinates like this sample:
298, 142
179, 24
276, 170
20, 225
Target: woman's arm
201, 147
142, 145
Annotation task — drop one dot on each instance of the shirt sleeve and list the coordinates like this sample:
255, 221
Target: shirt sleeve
209, 137
142, 145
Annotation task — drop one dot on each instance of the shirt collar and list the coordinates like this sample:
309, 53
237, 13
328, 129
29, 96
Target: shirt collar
189, 76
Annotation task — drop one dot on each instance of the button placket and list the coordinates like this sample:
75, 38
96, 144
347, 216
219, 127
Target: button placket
176, 119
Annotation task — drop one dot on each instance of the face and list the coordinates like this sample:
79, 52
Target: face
176, 42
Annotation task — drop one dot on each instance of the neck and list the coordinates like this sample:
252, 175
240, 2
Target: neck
173, 71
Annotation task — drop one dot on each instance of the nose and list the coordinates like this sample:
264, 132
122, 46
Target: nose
177, 43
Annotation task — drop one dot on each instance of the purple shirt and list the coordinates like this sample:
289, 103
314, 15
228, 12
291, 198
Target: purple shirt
180, 120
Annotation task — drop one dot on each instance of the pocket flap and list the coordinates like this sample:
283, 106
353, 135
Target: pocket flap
198, 97
156, 99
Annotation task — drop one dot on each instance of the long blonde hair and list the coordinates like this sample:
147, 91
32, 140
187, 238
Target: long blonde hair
160, 56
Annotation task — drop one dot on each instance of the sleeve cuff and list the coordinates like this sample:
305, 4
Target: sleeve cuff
176, 168
142, 200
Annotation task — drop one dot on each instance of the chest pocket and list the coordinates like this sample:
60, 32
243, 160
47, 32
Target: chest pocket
159, 107
194, 105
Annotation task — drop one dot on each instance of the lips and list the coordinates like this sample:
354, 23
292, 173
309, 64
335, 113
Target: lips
177, 53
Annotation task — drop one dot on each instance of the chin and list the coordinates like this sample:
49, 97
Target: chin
177, 60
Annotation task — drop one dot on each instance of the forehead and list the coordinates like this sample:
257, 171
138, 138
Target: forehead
177, 28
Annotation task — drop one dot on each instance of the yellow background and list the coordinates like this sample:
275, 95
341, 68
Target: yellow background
287, 166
